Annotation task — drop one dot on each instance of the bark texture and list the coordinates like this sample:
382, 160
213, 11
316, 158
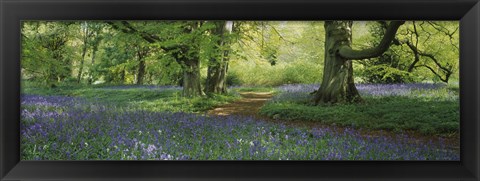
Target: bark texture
189, 58
191, 78
217, 78
218, 65
337, 85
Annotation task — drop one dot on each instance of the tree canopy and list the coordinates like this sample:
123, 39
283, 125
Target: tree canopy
205, 57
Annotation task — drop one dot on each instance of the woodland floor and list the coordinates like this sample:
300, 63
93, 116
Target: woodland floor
251, 103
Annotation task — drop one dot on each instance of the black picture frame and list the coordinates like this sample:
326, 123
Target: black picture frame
13, 11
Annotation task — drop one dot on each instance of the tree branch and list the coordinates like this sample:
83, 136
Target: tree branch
432, 57
129, 29
434, 72
416, 55
280, 35
349, 53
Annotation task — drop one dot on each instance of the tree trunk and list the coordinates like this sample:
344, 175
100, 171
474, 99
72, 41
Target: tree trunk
217, 78
415, 61
142, 52
141, 65
84, 51
217, 70
191, 78
92, 62
56, 75
141, 72
122, 75
90, 77
337, 84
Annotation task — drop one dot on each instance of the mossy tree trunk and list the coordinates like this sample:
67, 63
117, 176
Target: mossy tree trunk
218, 65
192, 86
337, 83
189, 58
217, 78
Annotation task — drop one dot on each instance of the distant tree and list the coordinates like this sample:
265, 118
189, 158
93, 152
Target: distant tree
141, 53
90, 35
178, 39
117, 60
46, 53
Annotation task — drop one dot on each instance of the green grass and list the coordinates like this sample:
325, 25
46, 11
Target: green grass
426, 116
177, 103
140, 98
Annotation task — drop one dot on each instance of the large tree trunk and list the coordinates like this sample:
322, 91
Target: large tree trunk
337, 84
192, 86
217, 78
217, 70
191, 78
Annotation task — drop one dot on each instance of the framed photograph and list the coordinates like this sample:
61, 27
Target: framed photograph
244, 90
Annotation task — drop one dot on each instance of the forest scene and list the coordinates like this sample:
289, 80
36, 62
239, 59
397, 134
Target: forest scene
240, 90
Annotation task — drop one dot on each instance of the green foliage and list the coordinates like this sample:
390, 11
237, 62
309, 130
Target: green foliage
46, 54
260, 53
386, 74
267, 75
277, 53
410, 56
233, 79
383, 114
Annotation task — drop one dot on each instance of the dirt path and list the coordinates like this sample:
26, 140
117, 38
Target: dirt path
248, 105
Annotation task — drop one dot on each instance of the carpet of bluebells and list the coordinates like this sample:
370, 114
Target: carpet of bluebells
73, 128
